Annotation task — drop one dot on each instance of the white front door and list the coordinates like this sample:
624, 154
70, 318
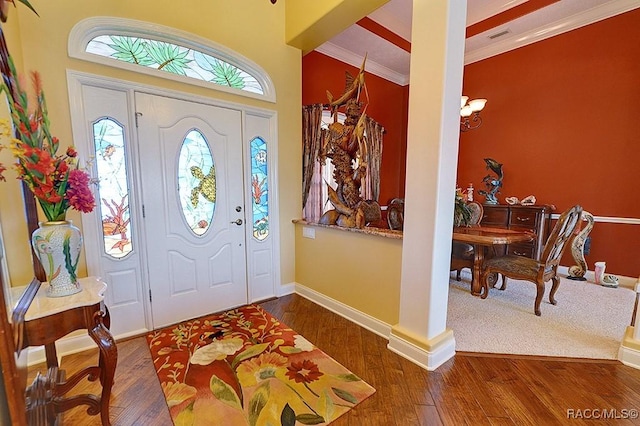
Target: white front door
192, 195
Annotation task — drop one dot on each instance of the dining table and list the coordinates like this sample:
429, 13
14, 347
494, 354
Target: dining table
483, 237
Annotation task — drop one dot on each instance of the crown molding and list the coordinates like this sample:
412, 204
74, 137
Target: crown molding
590, 16
372, 67
553, 29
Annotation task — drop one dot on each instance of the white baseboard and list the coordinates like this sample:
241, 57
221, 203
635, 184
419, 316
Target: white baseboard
630, 357
628, 354
425, 359
366, 321
286, 289
415, 354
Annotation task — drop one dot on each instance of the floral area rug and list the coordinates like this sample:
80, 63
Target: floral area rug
245, 367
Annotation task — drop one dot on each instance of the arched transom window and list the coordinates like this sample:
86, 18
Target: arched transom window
169, 53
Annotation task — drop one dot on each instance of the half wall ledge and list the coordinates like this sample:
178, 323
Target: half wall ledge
380, 232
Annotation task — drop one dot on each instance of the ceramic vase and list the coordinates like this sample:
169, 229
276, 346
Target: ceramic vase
57, 245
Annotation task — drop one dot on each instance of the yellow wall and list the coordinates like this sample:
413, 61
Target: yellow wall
311, 22
362, 271
255, 29
14, 229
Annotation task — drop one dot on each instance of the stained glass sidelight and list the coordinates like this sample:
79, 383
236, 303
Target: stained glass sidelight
196, 182
113, 189
174, 59
259, 189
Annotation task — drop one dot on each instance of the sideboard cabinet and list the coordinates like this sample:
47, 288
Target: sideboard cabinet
536, 219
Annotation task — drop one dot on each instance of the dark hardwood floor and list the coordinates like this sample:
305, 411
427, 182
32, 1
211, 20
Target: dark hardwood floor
470, 389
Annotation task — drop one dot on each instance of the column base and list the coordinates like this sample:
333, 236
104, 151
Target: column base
629, 352
429, 354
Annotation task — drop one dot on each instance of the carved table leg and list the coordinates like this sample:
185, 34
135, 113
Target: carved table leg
108, 360
106, 321
478, 260
51, 355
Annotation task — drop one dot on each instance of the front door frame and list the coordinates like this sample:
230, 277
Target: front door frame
255, 122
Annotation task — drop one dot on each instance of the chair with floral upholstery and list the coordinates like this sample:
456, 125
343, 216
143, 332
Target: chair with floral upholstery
536, 271
462, 253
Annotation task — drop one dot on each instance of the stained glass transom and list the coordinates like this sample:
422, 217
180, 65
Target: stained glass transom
111, 160
259, 189
174, 59
196, 182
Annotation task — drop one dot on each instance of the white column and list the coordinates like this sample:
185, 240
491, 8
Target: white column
629, 352
437, 60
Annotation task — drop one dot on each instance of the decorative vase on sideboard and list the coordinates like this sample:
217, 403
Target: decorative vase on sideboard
57, 245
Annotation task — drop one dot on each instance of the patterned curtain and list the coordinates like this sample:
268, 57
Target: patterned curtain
313, 209
375, 133
311, 143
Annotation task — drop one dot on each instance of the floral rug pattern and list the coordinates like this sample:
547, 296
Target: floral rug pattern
245, 367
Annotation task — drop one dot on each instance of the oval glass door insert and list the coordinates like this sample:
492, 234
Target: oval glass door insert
197, 182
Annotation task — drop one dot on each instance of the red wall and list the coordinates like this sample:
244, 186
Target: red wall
388, 103
562, 118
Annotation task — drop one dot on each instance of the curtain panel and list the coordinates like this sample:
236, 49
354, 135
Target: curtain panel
375, 134
311, 143
314, 191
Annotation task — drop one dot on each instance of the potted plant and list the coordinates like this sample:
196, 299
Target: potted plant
56, 181
461, 212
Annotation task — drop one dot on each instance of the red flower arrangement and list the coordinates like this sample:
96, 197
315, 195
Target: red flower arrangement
55, 180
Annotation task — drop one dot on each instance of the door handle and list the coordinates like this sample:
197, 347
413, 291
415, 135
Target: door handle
237, 222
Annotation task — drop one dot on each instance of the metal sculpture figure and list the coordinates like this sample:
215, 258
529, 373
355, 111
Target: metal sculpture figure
493, 184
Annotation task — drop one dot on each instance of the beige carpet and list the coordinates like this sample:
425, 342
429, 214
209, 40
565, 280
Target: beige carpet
588, 321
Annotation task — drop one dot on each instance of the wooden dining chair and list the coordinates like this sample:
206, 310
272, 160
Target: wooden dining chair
395, 214
536, 271
462, 253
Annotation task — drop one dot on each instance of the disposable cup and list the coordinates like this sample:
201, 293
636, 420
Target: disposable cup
599, 271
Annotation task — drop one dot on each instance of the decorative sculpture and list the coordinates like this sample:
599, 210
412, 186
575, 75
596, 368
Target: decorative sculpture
512, 201
493, 184
528, 201
576, 272
345, 146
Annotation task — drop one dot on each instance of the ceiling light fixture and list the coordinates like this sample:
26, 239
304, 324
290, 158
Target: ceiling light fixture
470, 113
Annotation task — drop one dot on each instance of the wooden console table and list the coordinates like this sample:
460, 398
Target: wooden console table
41, 320
535, 219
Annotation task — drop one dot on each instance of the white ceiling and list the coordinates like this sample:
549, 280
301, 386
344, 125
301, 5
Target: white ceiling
392, 63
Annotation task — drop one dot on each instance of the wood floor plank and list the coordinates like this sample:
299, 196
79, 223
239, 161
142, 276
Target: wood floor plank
576, 394
470, 389
477, 385
500, 421
428, 415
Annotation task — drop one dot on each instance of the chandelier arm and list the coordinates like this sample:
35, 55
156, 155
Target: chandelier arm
470, 123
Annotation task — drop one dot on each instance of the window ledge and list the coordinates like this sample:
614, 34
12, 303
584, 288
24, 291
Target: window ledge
380, 232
